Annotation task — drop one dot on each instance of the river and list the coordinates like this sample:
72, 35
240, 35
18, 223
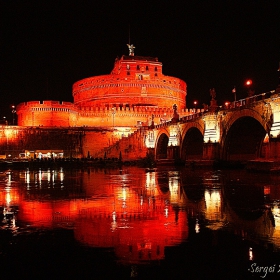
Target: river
163, 223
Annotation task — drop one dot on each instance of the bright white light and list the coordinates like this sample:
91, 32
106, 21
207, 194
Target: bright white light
166, 211
197, 227
141, 200
8, 198
49, 175
61, 175
124, 193
250, 254
27, 177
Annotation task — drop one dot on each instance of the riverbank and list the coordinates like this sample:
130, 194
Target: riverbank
57, 163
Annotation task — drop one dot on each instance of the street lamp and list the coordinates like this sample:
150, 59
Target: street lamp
13, 112
195, 103
234, 92
226, 104
248, 84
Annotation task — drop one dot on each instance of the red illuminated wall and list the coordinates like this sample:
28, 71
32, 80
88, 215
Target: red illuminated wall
47, 113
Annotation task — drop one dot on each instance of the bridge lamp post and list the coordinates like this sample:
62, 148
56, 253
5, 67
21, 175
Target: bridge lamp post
249, 84
227, 104
13, 112
234, 92
195, 103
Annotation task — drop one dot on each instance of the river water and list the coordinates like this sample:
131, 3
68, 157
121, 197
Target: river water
164, 223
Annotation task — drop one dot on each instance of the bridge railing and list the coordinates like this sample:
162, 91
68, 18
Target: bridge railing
233, 105
191, 117
249, 100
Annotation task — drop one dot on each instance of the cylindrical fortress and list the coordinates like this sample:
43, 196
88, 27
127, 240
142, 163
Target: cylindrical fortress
134, 93
134, 81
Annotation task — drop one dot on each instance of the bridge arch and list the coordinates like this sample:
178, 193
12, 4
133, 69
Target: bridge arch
243, 135
161, 145
192, 142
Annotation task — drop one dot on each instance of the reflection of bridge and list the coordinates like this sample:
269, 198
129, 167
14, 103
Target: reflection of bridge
243, 130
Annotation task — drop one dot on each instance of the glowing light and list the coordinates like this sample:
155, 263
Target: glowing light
150, 182
150, 140
27, 177
212, 129
8, 198
40, 176
250, 254
14, 222
61, 175
114, 224
266, 190
124, 193
141, 200
174, 139
213, 205
49, 175
9, 181
197, 227
248, 82
174, 189
166, 211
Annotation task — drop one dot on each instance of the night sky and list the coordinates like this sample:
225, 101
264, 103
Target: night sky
46, 46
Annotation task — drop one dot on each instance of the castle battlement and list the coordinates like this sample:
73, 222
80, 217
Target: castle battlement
46, 103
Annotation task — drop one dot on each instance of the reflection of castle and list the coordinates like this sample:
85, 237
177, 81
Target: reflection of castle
132, 94
137, 213
128, 214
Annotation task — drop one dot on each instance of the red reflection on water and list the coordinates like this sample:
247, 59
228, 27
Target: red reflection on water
128, 213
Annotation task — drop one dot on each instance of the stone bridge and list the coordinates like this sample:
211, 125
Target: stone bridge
244, 130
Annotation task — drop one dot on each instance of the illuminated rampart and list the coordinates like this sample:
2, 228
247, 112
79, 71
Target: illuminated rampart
47, 113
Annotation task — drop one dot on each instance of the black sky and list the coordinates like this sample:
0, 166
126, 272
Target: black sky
48, 45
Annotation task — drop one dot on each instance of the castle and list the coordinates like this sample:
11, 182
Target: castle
134, 94
105, 109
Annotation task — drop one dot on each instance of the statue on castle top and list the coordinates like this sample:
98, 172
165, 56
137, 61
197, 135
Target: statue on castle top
213, 93
131, 49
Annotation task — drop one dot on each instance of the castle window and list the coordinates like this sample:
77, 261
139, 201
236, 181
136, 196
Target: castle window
156, 69
128, 73
156, 74
147, 67
138, 67
127, 67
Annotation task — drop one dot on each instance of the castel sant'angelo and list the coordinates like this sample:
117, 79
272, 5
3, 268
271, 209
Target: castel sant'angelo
105, 109
133, 93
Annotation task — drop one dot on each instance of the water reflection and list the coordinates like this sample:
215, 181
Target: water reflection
140, 213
